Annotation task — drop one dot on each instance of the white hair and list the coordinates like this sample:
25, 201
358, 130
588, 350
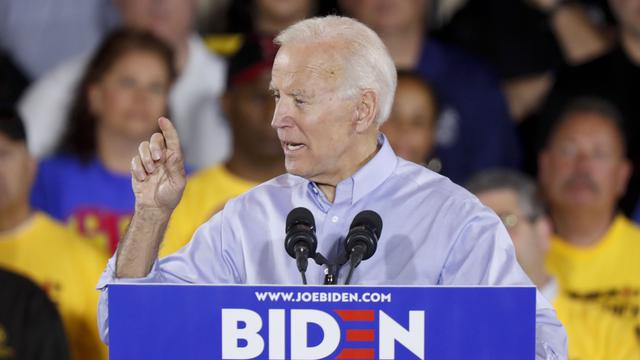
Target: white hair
367, 63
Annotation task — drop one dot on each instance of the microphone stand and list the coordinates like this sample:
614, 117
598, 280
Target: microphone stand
354, 260
331, 272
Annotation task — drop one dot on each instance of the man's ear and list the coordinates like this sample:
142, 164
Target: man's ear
366, 111
623, 174
31, 166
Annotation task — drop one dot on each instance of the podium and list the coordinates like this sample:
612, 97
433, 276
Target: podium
318, 322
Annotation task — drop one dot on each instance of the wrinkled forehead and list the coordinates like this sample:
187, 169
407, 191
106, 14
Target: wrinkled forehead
594, 127
305, 66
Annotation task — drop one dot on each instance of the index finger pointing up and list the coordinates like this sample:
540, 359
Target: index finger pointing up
170, 134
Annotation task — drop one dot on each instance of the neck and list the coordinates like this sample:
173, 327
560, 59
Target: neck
538, 276
404, 45
246, 167
631, 46
581, 228
115, 152
363, 156
11, 218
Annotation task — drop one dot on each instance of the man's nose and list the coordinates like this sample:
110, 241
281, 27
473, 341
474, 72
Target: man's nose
583, 161
282, 116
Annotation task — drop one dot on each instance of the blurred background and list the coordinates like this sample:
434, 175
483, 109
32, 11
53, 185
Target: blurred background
533, 105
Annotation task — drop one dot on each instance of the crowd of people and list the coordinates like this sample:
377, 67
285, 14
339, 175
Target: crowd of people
529, 104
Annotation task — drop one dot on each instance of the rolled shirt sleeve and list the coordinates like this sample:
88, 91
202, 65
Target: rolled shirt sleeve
204, 260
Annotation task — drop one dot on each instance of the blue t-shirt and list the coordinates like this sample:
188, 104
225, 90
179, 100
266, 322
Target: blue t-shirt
97, 202
475, 130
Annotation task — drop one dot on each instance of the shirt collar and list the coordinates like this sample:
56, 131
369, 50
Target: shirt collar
363, 181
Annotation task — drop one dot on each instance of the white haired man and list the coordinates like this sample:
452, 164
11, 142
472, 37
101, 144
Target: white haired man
333, 82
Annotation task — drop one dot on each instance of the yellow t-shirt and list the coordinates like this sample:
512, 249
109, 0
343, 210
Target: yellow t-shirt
606, 274
68, 268
594, 333
206, 193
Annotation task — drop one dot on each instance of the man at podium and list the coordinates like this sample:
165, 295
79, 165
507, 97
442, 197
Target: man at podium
333, 82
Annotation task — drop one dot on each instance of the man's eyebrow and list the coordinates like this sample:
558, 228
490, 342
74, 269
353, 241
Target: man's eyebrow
300, 93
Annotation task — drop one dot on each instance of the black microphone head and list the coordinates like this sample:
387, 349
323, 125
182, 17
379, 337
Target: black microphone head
370, 219
300, 231
300, 215
365, 231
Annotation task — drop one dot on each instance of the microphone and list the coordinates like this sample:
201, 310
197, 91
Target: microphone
300, 241
362, 240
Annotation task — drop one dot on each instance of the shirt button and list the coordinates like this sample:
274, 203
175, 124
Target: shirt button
335, 219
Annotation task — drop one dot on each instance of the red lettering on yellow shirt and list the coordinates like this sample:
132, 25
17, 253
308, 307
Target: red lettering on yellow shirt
105, 228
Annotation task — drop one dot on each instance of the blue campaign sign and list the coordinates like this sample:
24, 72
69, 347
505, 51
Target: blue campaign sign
317, 322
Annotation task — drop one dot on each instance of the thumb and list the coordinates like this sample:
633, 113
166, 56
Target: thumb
175, 168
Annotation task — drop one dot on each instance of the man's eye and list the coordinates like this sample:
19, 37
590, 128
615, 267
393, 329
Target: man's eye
299, 101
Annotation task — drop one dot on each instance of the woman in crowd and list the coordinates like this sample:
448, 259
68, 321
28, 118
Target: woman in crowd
411, 127
118, 101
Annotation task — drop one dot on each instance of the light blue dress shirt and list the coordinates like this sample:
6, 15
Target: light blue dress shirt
434, 233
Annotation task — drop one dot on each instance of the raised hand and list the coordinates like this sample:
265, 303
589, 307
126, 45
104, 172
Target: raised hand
158, 176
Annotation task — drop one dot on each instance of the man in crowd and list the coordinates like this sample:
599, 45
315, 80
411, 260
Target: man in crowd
593, 332
256, 156
583, 172
615, 77
333, 82
194, 98
34, 245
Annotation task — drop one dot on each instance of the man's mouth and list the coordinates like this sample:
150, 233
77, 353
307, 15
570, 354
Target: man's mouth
290, 146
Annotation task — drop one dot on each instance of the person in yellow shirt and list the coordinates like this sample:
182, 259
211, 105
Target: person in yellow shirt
593, 333
50, 254
257, 155
583, 170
